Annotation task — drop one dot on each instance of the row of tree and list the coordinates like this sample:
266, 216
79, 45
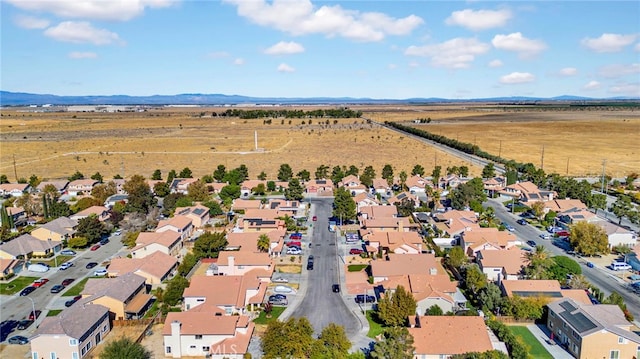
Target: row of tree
342, 112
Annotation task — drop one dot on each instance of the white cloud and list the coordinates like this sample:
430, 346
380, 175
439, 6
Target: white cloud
608, 42
83, 55
92, 9
239, 61
592, 85
302, 18
284, 48
30, 22
218, 55
285, 68
628, 89
456, 53
81, 32
392, 66
518, 43
495, 63
480, 19
568, 71
517, 78
619, 70
414, 64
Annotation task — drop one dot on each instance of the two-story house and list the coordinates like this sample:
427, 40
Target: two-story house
81, 186
59, 229
241, 262
155, 268
125, 296
167, 242
199, 214
14, 189
179, 224
241, 293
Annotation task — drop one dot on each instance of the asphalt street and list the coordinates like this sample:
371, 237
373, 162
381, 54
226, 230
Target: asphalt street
603, 278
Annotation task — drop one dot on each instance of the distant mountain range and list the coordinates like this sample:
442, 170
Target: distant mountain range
25, 99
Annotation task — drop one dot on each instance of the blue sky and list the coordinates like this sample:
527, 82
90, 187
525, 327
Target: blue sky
378, 49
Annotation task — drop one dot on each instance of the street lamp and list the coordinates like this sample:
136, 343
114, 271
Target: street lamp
33, 310
55, 258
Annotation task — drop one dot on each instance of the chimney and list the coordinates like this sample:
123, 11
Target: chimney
400, 226
433, 271
175, 340
420, 248
231, 262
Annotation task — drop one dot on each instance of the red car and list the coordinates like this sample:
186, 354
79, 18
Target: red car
32, 316
294, 244
67, 281
315, 218
95, 248
39, 282
355, 251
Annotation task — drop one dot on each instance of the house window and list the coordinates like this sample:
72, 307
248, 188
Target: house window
53, 355
74, 355
205, 349
552, 314
167, 350
104, 329
192, 347
240, 267
73, 342
575, 335
564, 324
229, 311
200, 300
614, 354
34, 355
622, 340
575, 349
198, 336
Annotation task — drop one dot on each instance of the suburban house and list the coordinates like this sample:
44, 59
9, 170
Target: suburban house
206, 334
402, 197
380, 185
320, 187
352, 184
528, 192
488, 238
260, 224
365, 199
125, 296
395, 242
181, 185
592, 331
562, 205
27, 246
405, 264
8, 267
241, 262
60, 185
387, 224
290, 208
242, 293
418, 185
436, 337
242, 205
116, 198
179, 224
494, 185
376, 211
57, 230
154, 268
101, 212
451, 181
13, 189
199, 214
542, 288
167, 242
73, 333
574, 215
246, 187
17, 214
428, 290
453, 223
498, 265
618, 236
248, 241
81, 186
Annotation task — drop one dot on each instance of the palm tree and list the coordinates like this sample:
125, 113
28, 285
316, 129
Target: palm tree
539, 262
264, 243
488, 216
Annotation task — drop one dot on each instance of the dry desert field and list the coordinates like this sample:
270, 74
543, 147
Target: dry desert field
55, 145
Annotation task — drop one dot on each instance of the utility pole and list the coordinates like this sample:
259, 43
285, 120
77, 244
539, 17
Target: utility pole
604, 164
15, 170
542, 159
567, 166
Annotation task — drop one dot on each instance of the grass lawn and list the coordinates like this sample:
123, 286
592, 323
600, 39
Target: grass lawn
535, 348
53, 312
356, 267
16, 285
76, 289
375, 326
52, 262
275, 313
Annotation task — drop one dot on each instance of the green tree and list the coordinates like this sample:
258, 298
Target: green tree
243, 171
463, 171
434, 310
490, 354
466, 193
97, 177
622, 207
394, 308
209, 244
234, 177
387, 173
188, 262
124, 348
175, 289
405, 207
3, 179
474, 279
76, 176
84, 203
489, 171
34, 181
220, 173
264, 243
403, 180
538, 209
6, 219
271, 186
285, 173
91, 228
262, 176
539, 263
185, 173
214, 208
103, 191
161, 189
230, 192
435, 174
337, 174
417, 170
368, 174
140, 198
304, 175
334, 342
259, 190
77, 242
322, 172
598, 201
524, 308
157, 175
344, 206
397, 343
172, 174
456, 257
130, 238
295, 190
290, 339
579, 281
491, 297
563, 266
588, 238
198, 191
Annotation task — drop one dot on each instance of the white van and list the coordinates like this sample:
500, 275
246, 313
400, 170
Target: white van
617, 266
40, 268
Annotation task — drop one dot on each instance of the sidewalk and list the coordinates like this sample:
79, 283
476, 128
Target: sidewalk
542, 334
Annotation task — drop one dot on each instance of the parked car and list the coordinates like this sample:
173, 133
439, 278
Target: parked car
294, 244
18, 339
6, 327
39, 282
590, 265
67, 281
38, 267
309, 265
27, 291
355, 251
360, 298
68, 252
57, 288
283, 289
278, 301
279, 296
66, 265
70, 302
315, 218
294, 251
33, 315
280, 280
100, 272
522, 222
104, 241
335, 288
24, 324
532, 243
95, 247
295, 236
117, 233
91, 265
545, 236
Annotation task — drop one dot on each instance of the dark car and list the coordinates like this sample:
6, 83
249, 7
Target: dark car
335, 288
67, 281
532, 243
104, 241
27, 291
91, 265
71, 302
24, 324
310, 265
315, 218
6, 327
522, 222
278, 296
18, 339
57, 288
34, 314
360, 298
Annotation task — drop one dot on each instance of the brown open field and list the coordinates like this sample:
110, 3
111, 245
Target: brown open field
55, 145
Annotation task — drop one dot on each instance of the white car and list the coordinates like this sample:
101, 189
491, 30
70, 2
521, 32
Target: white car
68, 252
66, 265
280, 280
545, 236
283, 289
100, 272
294, 251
